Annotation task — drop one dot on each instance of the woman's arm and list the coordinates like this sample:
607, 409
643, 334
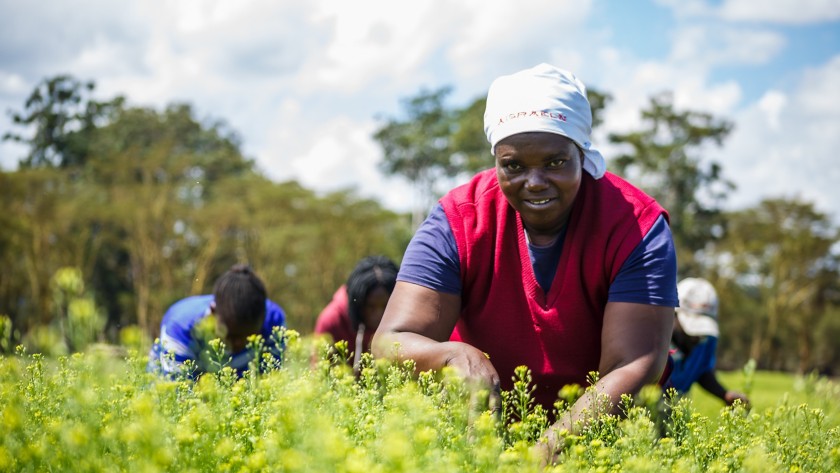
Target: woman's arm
710, 383
419, 321
634, 350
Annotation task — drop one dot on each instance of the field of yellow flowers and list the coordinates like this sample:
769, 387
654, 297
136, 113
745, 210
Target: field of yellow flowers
100, 412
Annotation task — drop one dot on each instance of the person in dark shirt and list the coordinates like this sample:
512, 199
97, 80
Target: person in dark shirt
694, 342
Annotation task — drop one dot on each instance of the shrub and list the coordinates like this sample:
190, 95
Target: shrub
92, 412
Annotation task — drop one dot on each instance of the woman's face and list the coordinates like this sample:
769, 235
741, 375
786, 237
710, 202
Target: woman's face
540, 174
374, 307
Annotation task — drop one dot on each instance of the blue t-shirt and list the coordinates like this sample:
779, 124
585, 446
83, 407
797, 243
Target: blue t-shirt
178, 342
648, 276
688, 368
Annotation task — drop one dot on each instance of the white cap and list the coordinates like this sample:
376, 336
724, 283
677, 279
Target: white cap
547, 99
698, 308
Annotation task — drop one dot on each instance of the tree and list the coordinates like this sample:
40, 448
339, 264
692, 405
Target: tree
153, 205
780, 254
158, 171
62, 112
663, 159
419, 148
472, 152
307, 245
598, 102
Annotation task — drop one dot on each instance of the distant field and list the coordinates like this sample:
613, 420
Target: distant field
768, 388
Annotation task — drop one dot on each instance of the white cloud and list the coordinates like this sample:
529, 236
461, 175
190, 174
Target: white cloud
781, 11
507, 32
820, 93
786, 12
12, 85
784, 145
302, 81
772, 104
722, 45
339, 154
381, 38
633, 84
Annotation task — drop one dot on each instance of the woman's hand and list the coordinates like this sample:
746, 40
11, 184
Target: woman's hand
472, 364
475, 366
731, 396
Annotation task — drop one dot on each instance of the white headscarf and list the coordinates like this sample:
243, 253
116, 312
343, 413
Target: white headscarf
547, 99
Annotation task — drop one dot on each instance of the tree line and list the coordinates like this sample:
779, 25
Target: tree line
152, 205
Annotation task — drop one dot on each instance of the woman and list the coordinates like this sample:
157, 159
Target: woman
240, 307
357, 306
546, 261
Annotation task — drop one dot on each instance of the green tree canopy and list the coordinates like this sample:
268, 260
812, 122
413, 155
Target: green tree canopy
155, 205
419, 147
780, 253
664, 158
60, 113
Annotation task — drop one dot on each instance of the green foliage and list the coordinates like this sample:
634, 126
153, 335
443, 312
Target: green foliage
67, 283
6, 334
664, 159
160, 206
84, 322
91, 412
60, 114
469, 143
598, 101
133, 338
782, 265
419, 147
46, 339
77, 323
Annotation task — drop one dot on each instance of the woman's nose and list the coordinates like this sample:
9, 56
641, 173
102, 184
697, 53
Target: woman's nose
535, 179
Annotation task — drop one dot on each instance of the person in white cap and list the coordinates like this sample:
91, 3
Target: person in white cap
694, 341
546, 260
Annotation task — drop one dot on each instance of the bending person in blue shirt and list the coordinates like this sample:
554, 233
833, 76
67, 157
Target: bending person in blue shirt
694, 341
240, 308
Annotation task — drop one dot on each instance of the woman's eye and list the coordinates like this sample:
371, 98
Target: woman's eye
556, 163
512, 166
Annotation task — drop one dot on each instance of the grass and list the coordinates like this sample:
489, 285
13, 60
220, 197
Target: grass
768, 389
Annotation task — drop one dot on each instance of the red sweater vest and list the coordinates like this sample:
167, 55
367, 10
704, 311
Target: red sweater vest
504, 311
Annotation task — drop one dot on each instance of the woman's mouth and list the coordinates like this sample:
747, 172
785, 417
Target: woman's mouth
538, 202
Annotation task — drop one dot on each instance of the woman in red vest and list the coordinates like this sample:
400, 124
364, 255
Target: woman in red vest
547, 261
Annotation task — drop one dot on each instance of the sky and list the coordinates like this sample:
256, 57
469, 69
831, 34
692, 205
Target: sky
305, 83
